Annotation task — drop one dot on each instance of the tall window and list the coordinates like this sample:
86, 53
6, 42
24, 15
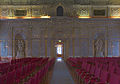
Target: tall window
4, 49
115, 48
59, 11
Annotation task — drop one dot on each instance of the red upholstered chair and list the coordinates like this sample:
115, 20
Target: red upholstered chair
18, 75
105, 71
94, 76
10, 77
3, 79
37, 79
104, 77
111, 67
83, 71
114, 78
86, 72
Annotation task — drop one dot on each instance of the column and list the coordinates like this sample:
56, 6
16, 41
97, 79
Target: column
106, 48
26, 48
45, 48
119, 48
88, 48
13, 49
93, 48
31, 38
73, 46
73, 42
80, 46
52, 49
12, 44
7, 46
67, 46
40, 47
0, 49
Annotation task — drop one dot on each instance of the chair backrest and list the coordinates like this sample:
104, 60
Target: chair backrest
3, 79
10, 77
117, 70
114, 78
104, 76
84, 65
92, 70
97, 71
88, 67
111, 68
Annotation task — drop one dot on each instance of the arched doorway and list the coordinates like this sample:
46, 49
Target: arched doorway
59, 50
19, 46
59, 11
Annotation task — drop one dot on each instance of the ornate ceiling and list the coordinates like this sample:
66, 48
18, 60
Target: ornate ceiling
82, 2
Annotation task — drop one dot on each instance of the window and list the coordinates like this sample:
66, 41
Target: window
99, 12
115, 48
20, 12
60, 11
4, 48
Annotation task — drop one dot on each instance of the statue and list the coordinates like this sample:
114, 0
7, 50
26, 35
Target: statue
99, 47
20, 49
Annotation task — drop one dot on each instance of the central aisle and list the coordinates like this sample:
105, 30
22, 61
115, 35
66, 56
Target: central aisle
61, 74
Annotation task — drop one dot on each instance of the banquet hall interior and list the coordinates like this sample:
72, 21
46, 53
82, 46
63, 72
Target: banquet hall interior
59, 41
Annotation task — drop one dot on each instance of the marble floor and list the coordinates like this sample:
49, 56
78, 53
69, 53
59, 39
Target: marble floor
61, 74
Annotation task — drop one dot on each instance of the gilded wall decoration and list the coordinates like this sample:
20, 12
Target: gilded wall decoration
5, 12
83, 12
115, 12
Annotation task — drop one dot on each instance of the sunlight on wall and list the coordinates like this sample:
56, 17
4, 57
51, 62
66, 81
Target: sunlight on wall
115, 17
25, 17
84, 17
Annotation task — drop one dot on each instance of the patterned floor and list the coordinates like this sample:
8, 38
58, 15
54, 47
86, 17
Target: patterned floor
61, 74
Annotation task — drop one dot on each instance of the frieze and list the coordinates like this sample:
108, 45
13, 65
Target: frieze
59, 23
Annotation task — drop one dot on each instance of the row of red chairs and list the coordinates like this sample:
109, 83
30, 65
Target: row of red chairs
38, 77
95, 70
7, 67
15, 76
14, 61
4, 64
